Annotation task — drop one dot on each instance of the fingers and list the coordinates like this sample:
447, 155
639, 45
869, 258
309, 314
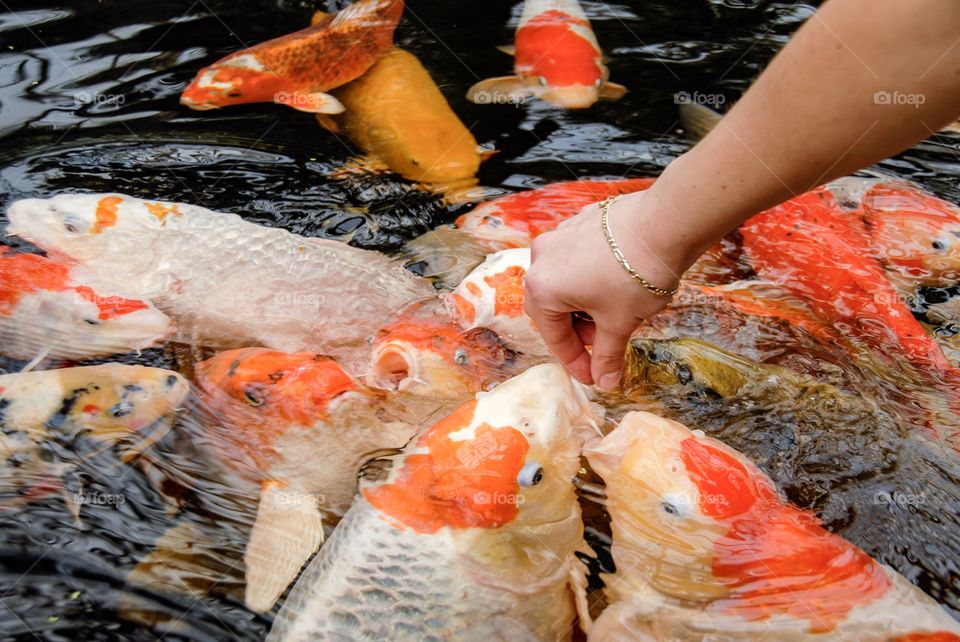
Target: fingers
557, 332
609, 344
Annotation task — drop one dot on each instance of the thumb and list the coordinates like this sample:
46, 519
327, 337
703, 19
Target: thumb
606, 364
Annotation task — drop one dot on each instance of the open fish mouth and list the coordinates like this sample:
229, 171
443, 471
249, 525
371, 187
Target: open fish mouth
390, 369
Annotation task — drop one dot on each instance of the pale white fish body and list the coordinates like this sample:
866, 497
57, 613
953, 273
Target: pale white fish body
491, 296
381, 576
226, 281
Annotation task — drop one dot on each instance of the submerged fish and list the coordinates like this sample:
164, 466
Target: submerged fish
225, 281
46, 310
396, 113
492, 297
706, 549
808, 245
45, 416
469, 534
516, 219
557, 59
299, 426
882, 485
298, 69
435, 357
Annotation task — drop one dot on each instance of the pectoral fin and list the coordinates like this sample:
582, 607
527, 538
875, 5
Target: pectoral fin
318, 17
612, 91
510, 50
503, 90
313, 103
287, 531
327, 122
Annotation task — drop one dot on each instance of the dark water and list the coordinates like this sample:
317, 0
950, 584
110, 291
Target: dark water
89, 102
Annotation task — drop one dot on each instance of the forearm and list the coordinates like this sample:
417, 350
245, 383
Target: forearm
811, 117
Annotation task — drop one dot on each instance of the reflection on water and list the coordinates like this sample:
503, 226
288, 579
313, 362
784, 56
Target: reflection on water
88, 102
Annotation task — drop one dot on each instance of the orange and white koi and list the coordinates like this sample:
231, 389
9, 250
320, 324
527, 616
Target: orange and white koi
492, 296
225, 281
516, 219
706, 549
436, 357
47, 309
471, 533
299, 69
557, 59
299, 426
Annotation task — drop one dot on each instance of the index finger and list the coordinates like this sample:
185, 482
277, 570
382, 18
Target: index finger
556, 328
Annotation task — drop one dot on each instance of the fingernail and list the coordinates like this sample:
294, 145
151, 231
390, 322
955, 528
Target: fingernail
608, 381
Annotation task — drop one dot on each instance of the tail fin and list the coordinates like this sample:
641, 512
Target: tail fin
698, 120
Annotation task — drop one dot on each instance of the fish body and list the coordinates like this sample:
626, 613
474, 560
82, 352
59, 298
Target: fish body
556, 58
435, 357
808, 245
225, 281
300, 68
876, 480
516, 219
299, 426
396, 113
492, 297
706, 549
45, 414
469, 534
46, 310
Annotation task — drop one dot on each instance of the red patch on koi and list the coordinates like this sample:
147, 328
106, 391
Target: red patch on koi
26, 273
111, 306
549, 46
508, 286
106, 215
458, 484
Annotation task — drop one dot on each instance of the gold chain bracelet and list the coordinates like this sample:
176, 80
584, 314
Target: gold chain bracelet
604, 216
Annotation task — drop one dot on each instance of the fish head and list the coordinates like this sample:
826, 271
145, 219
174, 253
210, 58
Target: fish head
434, 357
914, 233
695, 365
561, 52
109, 400
672, 495
237, 79
264, 392
499, 225
48, 312
84, 227
497, 474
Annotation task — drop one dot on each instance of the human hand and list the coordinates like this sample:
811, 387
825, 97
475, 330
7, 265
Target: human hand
573, 270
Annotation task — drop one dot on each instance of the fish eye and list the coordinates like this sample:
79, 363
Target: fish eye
71, 224
91, 322
598, 82
675, 504
940, 244
492, 221
460, 357
234, 94
542, 81
121, 409
254, 396
276, 376
531, 474
684, 376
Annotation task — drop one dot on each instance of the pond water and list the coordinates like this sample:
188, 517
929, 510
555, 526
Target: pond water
89, 102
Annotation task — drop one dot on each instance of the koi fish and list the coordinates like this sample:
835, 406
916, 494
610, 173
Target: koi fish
396, 113
47, 310
299, 69
41, 412
469, 534
435, 357
807, 244
492, 297
835, 451
706, 549
298, 425
556, 58
516, 219
225, 281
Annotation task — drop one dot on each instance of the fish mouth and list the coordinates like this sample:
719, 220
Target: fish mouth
197, 106
391, 367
